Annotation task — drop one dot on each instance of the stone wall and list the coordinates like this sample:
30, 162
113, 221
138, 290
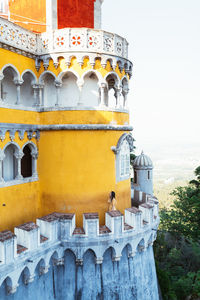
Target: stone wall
130, 278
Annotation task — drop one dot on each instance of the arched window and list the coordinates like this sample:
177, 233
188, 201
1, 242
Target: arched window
111, 80
8, 86
26, 162
49, 90
27, 92
124, 159
10, 163
90, 90
69, 92
122, 152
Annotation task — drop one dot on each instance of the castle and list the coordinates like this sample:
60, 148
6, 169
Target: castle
65, 144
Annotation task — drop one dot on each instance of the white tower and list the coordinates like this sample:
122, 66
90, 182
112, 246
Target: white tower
143, 174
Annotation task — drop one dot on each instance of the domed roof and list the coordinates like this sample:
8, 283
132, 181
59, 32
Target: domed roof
142, 161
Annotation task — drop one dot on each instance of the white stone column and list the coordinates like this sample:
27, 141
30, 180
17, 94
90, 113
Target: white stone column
34, 155
2, 155
19, 156
117, 95
102, 89
1, 90
18, 84
41, 95
125, 95
36, 94
80, 84
58, 85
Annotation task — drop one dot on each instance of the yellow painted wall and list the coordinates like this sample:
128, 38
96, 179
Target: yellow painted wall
77, 172
22, 204
18, 203
67, 183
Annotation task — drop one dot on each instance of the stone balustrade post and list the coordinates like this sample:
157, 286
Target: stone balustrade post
102, 92
19, 156
40, 94
18, 84
117, 95
80, 84
1, 90
125, 95
34, 164
2, 155
36, 94
58, 85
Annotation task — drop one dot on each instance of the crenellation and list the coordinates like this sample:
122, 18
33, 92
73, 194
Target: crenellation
115, 222
91, 224
28, 235
133, 217
49, 227
67, 225
94, 237
8, 247
147, 212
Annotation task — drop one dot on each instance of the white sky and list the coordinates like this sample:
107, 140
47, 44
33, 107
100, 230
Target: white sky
164, 46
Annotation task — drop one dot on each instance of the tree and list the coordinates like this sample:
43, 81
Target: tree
177, 249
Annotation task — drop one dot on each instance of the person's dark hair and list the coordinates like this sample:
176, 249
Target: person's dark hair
112, 195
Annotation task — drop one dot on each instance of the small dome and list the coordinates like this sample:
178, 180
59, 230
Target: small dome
142, 161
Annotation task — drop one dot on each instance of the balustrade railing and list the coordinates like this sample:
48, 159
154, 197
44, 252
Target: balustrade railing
62, 40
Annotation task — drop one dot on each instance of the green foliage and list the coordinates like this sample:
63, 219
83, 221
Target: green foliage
177, 249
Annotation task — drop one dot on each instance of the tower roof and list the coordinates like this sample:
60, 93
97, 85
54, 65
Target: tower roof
142, 161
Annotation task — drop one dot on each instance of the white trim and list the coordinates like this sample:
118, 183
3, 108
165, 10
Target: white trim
41, 80
16, 76
64, 72
35, 81
18, 181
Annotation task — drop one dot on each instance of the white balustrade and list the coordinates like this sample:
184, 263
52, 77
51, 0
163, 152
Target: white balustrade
62, 40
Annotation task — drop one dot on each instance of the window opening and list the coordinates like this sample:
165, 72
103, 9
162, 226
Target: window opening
125, 159
26, 162
9, 164
135, 177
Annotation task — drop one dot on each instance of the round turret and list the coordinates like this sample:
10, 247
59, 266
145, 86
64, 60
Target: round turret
143, 174
142, 161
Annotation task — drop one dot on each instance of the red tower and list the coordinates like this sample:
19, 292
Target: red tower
75, 13
44, 15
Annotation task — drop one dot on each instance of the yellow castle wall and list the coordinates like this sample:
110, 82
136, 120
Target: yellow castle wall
18, 203
66, 182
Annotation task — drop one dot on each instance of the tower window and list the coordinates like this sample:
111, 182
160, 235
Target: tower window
135, 177
122, 151
26, 162
124, 159
149, 175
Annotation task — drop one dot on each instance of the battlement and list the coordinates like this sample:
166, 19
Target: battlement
54, 233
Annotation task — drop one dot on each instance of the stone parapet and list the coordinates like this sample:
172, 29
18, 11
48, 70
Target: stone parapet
53, 234
66, 42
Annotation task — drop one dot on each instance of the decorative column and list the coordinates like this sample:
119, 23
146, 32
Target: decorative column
1, 90
80, 84
19, 156
117, 95
34, 155
125, 95
102, 91
2, 155
36, 94
18, 84
41, 94
58, 85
